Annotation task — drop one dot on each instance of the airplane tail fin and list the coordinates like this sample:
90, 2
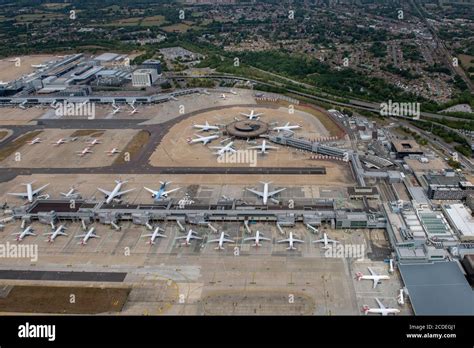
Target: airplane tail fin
358, 276
365, 309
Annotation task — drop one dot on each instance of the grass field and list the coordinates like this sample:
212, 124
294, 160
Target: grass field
10, 148
138, 21
134, 146
52, 299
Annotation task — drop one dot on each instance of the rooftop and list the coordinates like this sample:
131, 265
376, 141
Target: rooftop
438, 288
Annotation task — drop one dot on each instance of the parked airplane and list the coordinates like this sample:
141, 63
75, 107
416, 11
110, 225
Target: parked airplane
223, 149
155, 235
291, 241
157, 195
25, 233
204, 140
55, 233
113, 151
326, 241
85, 237
381, 310
94, 141
115, 193
252, 115
172, 97
22, 105
34, 141
258, 237
265, 194
134, 109
223, 96
205, 127
84, 152
376, 278
30, 193
116, 108
59, 142
286, 127
70, 194
191, 235
233, 92
206, 92
38, 66
263, 148
221, 240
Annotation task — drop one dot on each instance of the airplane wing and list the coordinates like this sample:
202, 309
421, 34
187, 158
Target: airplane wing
318, 241
228, 240
181, 237
264, 238
80, 236
272, 193
371, 271
256, 192
151, 191
105, 192
39, 189
284, 241
124, 192
19, 194
213, 240
333, 241
168, 192
251, 238
380, 303
298, 240
271, 147
376, 281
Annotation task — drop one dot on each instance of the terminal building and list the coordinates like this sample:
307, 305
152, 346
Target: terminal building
461, 220
405, 148
448, 186
144, 77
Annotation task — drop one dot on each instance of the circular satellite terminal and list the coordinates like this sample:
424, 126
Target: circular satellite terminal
247, 129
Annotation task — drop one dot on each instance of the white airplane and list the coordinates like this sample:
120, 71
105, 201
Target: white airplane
115, 193
263, 148
205, 127
258, 237
204, 140
155, 235
291, 241
70, 194
116, 108
160, 193
94, 141
54, 234
113, 151
206, 92
373, 276
38, 66
172, 97
223, 149
30, 193
134, 109
23, 234
34, 141
286, 127
252, 115
22, 105
326, 241
265, 194
59, 142
223, 96
84, 152
221, 240
85, 237
233, 92
191, 235
381, 310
